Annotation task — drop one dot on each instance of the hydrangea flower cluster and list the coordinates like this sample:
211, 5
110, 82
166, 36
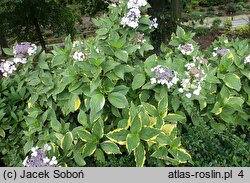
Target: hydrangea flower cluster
77, 43
247, 60
220, 52
131, 19
195, 76
39, 158
6, 68
153, 23
186, 49
164, 76
79, 56
138, 39
23, 50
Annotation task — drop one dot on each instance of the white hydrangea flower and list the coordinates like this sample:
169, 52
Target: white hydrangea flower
25, 161
132, 18
32, 49
153, 23
19, 60
247, 60
47, 147
76, 43
46, 160
79, 56
188, 95
153, 80
180, 90
53, 161
197, 92
189, 65
34, 151
7, 67
136, 3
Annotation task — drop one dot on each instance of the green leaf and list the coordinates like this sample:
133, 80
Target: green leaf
82, 118
232, 81
224, 93
67, 141
162, 139
88, 149
150, 63
235, 102
118, 136
139, 154
171, 117
118, 100
99, 155
27, 147
138, 81
122, 55
59, 60
8, 51
109, 65
175, 101
2, 133
168, 128
149, 133
132, 142
86, 136
183, 155
161, 153
97, 129
217, 109
163, 106
77, 155
55, 124
136, 125
97, 102
110, 147
150, 109
102, 31
77, 103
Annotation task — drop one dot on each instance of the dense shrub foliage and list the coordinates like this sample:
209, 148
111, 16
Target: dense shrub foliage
109, 96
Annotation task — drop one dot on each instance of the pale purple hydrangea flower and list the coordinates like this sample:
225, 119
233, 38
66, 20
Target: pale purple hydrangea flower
164, 76
131, 19
186, 49
220, 52
23, 49
6, 68
39, 158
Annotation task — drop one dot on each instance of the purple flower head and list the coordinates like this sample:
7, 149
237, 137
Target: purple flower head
164, 76
164, 73
39, 158
23, 49
222, 52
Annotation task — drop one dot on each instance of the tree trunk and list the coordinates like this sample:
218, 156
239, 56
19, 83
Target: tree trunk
39, 33
157, 5
3, 43
176, 9
37, 27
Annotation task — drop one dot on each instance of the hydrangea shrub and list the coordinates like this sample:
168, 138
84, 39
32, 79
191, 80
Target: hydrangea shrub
109, 95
